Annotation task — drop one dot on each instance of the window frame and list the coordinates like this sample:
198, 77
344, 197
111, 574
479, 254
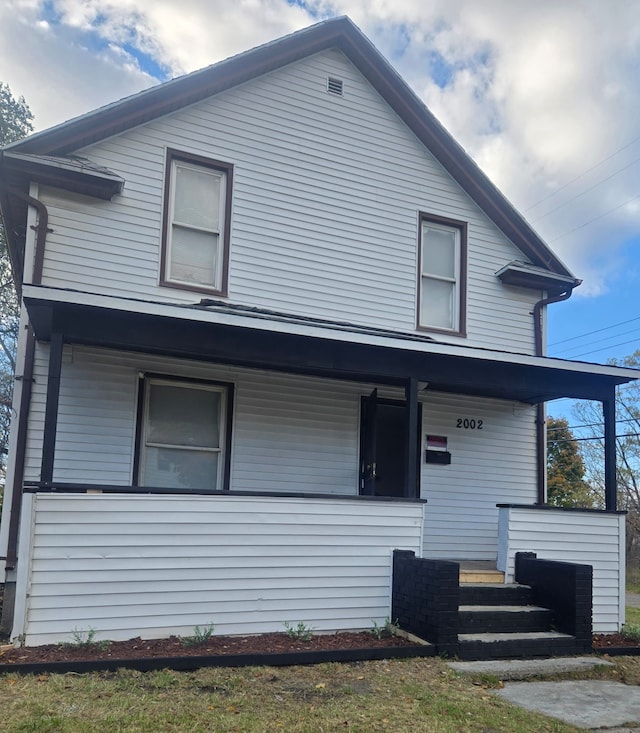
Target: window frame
460, 282
224, 237
226, 423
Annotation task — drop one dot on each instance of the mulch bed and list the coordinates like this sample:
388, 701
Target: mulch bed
215, 645
272, 649
615, 645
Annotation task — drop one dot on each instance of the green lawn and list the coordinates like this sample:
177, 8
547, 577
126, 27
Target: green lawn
403, 695
633, 576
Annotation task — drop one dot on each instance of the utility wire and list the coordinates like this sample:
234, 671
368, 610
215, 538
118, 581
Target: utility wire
600, 437
598, 341
598, 330
592, 424
604, 348
584, 173
587, 190
601, 216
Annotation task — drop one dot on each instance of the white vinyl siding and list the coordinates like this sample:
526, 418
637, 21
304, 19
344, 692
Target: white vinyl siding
289, 433
588, 538
327, 192
295, 433
153, 566
495, 464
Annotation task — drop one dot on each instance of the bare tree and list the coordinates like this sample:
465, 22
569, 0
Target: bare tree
15, 123
589, 414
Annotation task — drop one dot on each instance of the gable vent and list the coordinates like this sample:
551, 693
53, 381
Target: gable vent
334, 86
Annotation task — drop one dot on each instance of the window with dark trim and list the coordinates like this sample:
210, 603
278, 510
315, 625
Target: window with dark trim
442, 263
196, 223
183, 435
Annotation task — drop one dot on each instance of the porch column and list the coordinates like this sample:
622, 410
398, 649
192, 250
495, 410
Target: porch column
411, 443
610, 488
51, 408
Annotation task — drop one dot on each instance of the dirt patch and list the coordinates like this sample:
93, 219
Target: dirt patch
613, 641
176, 647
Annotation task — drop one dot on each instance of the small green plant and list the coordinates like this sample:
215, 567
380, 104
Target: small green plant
632, 632
384, 631
201, 634
86, 639
300, 632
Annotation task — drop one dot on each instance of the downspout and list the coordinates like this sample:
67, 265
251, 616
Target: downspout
541, 467
25, 379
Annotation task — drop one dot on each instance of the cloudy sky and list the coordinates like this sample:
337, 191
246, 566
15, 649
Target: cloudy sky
544, 95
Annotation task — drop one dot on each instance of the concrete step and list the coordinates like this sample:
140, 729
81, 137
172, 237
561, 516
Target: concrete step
503, 618
516, 645
495, 594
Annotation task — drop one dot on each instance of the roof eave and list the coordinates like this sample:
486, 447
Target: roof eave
520, 275
102, 184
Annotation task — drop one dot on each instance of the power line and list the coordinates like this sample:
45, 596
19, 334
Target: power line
598, 330
584, 173
598, 341
600, 437
604, 348
590, 425
587, 190
601, 216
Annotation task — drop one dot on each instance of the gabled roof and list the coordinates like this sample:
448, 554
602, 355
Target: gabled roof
339, 33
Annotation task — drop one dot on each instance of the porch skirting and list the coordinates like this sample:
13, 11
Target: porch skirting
156, 565
586, 537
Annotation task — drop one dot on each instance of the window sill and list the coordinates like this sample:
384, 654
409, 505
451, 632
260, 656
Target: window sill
445, 331
194, 288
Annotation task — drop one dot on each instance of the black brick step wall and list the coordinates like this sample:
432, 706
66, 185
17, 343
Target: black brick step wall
495, 595
518, 648
426, 599
499, 621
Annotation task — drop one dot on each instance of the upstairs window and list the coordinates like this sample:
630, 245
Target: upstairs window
442, 274
196, 224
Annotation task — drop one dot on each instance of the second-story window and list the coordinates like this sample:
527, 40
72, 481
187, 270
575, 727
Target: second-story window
196, 223
442, 275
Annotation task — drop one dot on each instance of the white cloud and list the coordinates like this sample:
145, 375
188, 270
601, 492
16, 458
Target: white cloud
537, 91
54, 70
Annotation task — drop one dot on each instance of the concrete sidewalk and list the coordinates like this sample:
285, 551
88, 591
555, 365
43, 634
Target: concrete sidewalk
588, 704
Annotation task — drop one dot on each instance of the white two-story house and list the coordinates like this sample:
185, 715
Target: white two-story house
275, 325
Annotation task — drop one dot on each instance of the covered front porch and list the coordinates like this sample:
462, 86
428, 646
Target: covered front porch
296, 452
216, 332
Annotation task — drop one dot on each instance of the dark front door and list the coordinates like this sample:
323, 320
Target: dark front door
383, 442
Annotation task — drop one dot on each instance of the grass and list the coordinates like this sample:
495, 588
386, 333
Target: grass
633, 576
400, 695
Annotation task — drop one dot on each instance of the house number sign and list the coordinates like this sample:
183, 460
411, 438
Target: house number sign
469, 423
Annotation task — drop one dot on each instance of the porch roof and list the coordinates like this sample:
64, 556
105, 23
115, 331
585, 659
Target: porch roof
248, 337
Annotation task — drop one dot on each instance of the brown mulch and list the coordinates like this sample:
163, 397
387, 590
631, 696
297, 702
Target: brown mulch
176, 647
609, 641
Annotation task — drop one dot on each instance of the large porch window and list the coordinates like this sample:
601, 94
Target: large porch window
183, 434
